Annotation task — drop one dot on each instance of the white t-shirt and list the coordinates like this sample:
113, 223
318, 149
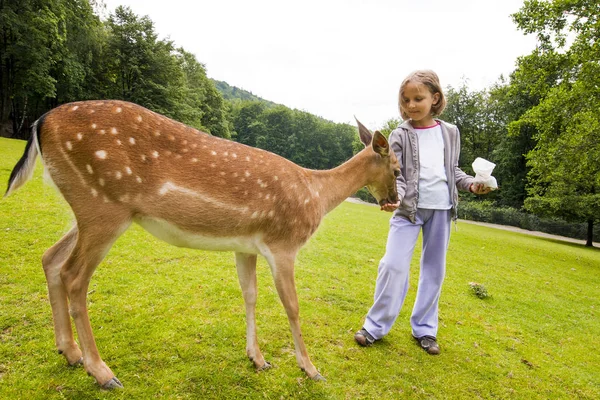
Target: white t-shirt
433, 182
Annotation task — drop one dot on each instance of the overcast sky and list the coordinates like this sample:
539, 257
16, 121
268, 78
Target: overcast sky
336, 58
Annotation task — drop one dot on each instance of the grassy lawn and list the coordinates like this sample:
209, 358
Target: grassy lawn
170, 321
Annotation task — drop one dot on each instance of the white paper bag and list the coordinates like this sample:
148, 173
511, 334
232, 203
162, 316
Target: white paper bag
483, 173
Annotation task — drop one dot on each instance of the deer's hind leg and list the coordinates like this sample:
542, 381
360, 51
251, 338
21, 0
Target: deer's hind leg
52, 261
94, 240
246, 269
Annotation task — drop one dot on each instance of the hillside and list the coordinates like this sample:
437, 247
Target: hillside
232, 93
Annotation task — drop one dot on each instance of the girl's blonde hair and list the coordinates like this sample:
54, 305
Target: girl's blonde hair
430, 79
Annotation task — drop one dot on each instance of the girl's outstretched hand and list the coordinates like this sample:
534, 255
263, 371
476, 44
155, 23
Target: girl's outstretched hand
390, 207
479, 188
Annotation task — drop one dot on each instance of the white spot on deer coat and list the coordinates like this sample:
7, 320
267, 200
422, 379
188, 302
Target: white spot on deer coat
118, 109
139, 118
94, 126
128, 170
94, 192
155, 154
101, 154
89, 169
213, 153
79, 136
74, 108
131, 141
114, 131
138, 179
69, 145
101, 181
118, 175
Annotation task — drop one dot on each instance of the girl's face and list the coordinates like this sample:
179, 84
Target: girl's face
417, 101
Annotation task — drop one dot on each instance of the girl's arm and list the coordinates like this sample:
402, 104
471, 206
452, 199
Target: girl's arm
462, 179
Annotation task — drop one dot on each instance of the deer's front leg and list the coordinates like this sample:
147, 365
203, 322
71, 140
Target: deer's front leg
282, 267
246, 269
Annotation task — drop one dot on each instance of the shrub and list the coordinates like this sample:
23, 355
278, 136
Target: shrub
479, 290
485, 211
365, 195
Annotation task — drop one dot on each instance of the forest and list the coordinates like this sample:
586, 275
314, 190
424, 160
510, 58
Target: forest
540, 124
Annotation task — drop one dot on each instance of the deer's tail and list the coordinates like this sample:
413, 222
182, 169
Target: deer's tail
23, 171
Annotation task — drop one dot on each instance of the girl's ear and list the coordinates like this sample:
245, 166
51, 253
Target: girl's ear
436, 98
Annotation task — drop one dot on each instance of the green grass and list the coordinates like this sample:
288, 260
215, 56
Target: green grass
170, 321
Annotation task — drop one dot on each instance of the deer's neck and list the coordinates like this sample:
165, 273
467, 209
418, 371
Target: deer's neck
337, 184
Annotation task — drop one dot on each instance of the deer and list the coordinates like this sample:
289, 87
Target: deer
117, 163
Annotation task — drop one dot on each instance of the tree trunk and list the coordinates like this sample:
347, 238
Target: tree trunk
590, 234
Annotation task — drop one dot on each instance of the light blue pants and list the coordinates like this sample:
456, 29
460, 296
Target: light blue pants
393, 273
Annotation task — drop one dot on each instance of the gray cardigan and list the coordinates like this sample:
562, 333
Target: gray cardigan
403, 141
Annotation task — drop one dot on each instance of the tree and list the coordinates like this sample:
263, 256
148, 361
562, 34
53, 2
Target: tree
38, 52
155, 74
142, 68
564, 179
247, 123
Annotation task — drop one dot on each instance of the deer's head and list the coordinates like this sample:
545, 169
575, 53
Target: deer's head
384, 165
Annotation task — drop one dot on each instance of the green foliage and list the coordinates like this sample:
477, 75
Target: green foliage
479, 290
36, 52
487, 211
170, 321
564, 179
365, 195
475, 115
59, 51
301, 137
235, 94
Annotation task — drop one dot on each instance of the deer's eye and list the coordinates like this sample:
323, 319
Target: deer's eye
396, 173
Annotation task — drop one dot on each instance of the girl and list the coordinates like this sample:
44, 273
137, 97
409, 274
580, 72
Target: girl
428, 151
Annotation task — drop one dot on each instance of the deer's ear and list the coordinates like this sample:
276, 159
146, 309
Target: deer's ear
363, 132
380, 144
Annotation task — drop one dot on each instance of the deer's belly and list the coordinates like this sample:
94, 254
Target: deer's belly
176, 236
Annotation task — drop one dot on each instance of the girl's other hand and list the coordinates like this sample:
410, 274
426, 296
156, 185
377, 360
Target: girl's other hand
479, 188
390, 207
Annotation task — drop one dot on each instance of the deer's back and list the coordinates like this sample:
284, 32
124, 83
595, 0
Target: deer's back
113, 152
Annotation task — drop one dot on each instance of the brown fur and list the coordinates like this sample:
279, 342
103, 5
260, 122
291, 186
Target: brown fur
116, 162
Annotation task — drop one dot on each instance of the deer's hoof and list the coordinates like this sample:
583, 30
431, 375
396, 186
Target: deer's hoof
318, 378
77, 363
114, 383
265, 367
